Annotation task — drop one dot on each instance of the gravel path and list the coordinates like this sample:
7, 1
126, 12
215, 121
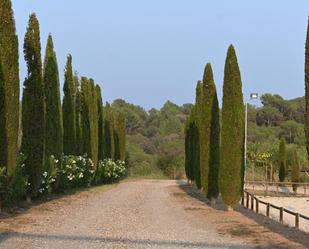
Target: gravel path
139, 214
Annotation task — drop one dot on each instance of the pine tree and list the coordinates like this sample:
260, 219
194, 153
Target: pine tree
295, 170
100, 123
94, 122
54, 124
109, 141
9, 88
33, 111
232, 138
85, 121
307, 89
68, 110
282, 160
209, 135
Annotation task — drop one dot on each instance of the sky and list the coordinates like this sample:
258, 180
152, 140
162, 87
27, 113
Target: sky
148, 52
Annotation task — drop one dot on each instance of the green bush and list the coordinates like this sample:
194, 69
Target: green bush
77, 171
13, 192
109, 171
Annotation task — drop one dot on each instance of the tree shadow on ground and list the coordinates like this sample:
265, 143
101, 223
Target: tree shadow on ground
289, 233
114, 240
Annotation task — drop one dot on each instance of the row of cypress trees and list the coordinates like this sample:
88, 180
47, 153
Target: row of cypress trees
215, 151
78, 126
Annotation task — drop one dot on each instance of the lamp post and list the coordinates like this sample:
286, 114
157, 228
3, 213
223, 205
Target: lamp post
253, 96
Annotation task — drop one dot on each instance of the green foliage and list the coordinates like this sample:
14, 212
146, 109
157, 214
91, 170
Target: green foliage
78, 115
33, 110
100, 124
120, 136
232, 144
68, 110
13, 191
9, 88
295, 169
90, 119
109, 140
54, 124
109, 171
77, 171
282, 160
307, 90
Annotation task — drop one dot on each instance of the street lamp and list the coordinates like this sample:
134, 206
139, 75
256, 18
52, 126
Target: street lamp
253, 96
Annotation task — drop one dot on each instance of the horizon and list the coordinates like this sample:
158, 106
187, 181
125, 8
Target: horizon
138, 51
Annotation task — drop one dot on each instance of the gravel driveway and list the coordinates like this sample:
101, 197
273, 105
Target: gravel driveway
140, 214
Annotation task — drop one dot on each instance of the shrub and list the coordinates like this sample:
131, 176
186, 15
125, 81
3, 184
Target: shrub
109, 171
13, 192
77, 171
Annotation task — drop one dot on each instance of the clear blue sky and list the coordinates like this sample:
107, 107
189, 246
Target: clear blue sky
147, 52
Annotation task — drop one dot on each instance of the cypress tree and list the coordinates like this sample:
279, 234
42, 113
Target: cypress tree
295, 170
78, 116
196, 135
109, 141
86, 146
209, 135
232, 139
9, 88
119, 136
188, 138
100, 123
33, 111
54, 125
307, 89
282, 160
214, 151
68, 110
93, 111
89, 119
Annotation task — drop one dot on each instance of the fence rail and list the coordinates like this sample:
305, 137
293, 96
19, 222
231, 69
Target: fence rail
280, 187
249, 200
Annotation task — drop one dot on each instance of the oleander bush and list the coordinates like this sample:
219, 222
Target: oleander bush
109, 171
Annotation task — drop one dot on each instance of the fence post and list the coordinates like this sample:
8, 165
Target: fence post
257, 202
281, 214
267, 209
277, 188
252, 202
243, 200
297, 220
266, 188
247, 200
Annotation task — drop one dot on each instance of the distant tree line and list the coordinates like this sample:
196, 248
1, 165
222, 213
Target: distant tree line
77, 126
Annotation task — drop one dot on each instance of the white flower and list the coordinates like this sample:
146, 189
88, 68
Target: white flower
81, 175
45, 174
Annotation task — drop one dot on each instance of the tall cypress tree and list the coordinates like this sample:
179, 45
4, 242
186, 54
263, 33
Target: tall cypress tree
295, 170
93, 111
100, 123
307, 89
109, 140
9, 88
196, 134
68, 110
209, 135
188, 156
78, 116
211, 129
89, 119
282, 160
119, 136
33, 111
232, 139
54, 125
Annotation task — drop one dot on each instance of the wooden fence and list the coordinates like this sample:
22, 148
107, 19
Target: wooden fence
301, 188
251, 202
